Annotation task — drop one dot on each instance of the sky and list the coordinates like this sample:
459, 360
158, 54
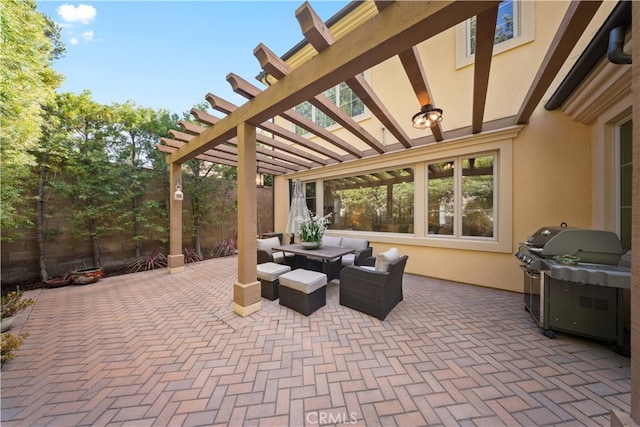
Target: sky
170, 54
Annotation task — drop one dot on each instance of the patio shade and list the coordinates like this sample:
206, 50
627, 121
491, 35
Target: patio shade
298, 209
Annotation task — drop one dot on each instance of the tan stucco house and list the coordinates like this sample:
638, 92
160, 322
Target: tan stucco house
536, 130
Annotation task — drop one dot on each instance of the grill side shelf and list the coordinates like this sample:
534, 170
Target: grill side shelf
591, 274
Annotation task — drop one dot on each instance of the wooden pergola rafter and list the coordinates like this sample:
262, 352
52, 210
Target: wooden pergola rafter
327, 147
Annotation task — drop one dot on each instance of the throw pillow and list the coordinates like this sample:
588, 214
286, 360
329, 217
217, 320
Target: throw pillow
383, 259
268, 244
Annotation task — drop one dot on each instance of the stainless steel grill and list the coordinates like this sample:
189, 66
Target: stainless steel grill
573, 282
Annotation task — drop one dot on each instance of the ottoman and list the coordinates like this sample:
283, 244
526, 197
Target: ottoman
304, 291
268, 274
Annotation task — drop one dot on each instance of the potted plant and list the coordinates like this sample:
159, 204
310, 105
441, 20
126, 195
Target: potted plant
85, 276
58, 282
312, 230
11, 304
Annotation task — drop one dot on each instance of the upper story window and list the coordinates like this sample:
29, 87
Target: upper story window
342, 96
506, 25
514, 27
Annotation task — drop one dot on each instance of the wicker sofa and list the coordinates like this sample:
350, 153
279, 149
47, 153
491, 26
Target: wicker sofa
333, 267
373, 291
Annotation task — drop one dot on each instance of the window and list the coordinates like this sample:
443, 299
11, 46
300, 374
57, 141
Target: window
625, 184
380, 201
505, 25
342, 96
310, 196
514, 27
461, 197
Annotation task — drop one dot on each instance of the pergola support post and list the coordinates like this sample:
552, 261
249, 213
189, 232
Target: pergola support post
175, 259
246, 291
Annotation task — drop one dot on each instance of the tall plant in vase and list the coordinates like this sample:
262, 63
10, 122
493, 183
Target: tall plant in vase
312, 229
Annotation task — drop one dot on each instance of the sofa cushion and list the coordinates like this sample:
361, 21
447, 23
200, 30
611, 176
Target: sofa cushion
353, 243
383, 259
268, 244
332, 241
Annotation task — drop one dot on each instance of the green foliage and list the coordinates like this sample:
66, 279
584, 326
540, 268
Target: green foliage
313, 229
9, 344
13, 303
27, 83
93, 182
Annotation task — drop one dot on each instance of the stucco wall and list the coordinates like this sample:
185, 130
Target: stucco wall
551, 183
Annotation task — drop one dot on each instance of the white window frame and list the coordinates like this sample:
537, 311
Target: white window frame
523, 28
617, 177
314, 111
457, 197
500, 141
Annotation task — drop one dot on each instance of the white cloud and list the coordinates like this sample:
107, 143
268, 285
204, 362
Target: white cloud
82, 13
74, 41
87, 36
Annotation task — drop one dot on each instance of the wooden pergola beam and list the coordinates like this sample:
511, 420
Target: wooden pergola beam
319, 36
224, 158
301, 159
271, 142
246, 89
397, 28
278, 69
485, 34
412, 65
227, 107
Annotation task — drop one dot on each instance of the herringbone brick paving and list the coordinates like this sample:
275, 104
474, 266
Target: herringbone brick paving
160, 349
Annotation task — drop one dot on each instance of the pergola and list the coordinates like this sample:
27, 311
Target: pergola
395, 30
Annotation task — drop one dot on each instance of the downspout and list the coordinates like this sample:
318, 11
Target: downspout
615, 52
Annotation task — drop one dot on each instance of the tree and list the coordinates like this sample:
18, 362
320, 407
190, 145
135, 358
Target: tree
209, 186
29, 42
135, 131
93, 183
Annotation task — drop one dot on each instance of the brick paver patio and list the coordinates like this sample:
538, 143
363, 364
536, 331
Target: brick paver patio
158, 349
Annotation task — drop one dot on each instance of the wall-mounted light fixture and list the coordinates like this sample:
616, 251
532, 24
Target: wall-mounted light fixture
259, 179
178, 195
427, 117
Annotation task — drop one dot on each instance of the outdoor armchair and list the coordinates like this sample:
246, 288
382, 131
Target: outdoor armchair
266, 254
373, 292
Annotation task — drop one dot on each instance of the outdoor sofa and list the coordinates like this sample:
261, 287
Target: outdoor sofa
333, 267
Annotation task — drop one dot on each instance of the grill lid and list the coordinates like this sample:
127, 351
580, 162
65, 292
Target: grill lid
543, 235
592, 246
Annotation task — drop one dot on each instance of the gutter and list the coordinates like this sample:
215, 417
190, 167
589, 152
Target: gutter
620, 17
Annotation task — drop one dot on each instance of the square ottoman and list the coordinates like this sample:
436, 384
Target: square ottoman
304, 291
268, 274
